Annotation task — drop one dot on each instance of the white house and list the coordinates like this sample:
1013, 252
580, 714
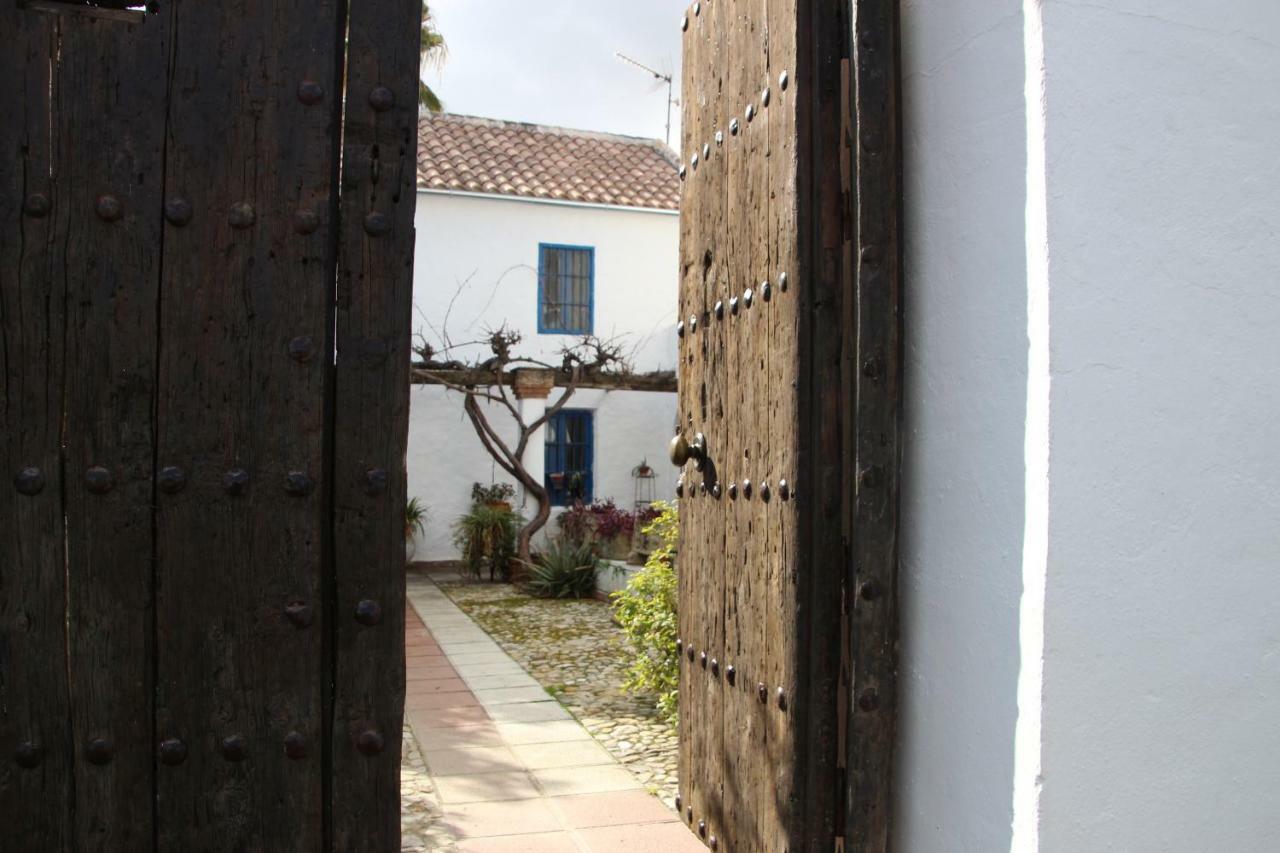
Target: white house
554, 233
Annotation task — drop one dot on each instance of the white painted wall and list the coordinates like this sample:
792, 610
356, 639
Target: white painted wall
962, 500
1091, 477
491, 244
445, 457
1162, 640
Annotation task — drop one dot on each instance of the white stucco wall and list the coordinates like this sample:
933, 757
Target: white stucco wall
491, 244
962, 500
1091, 479
1161, 722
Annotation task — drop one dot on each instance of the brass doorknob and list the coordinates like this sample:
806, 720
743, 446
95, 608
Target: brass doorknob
681, 451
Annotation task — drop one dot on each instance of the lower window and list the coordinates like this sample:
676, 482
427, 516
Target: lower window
569, 452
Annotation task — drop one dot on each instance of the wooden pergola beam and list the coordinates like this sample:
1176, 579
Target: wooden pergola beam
659, 380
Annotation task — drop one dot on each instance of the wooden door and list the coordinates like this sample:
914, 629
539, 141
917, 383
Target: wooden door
789, 401
206, 233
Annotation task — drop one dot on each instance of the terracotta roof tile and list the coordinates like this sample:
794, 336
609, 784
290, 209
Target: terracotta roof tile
509, 158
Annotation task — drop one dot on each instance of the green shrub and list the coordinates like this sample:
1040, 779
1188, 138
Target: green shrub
486, 536
646, 610
565, 569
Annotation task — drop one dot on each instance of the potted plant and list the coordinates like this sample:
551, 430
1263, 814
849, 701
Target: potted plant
486, 537
415, 519
494, 495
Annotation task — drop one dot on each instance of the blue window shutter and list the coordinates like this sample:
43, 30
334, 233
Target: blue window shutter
570, 450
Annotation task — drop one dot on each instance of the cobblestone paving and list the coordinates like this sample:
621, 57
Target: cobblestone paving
577, 653
420, 816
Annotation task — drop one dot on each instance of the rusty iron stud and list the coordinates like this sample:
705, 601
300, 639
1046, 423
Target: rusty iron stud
733, 127
377, 223
680, 488
746, 489
108, 208
693, 323
688, 813
100, 751
764, 97
683, 172
234, 748
706, 151
37, 205
869, 700
702, 828
733, 491
782, 282
99, 480
702, 487
684, 23
235, 482
679, 645
678, 801
783, 80
869, 476
719, 309
784, 490
29, 481
178, 211
702, 659
870, 255
310, 92
872, 367
715, 491
693, 161
750, 112
298, 484
762, 692
765, 492
305, 221
715, 667
869, 590
299, 613
766, 291
733, 305
368, 612
376, 480
370, 742
712, 843
381, 98
171, 479
748, 296
28, 755
782, 699
690, 652
871, 143
241, 215
295, 746
172, 751
730, 674
697, 8
302, 348
680, 329
719, 137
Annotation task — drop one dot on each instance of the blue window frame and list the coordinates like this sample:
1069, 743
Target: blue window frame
570, 449
566, 289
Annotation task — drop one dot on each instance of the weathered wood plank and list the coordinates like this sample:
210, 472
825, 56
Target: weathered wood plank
36, 752
109, 92
370, 422
664, 381
877, 368
245, 343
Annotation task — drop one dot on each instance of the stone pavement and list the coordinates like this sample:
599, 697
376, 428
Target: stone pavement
509, 768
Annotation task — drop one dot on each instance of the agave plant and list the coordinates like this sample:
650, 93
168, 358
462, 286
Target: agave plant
566, 569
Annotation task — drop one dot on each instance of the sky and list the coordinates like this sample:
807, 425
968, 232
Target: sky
552, 62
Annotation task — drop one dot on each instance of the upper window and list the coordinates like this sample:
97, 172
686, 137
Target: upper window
566, 289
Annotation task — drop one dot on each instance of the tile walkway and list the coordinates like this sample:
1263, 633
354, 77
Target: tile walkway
514, 771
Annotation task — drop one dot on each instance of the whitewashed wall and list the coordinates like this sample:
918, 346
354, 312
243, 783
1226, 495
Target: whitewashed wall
1092, 479
493, 242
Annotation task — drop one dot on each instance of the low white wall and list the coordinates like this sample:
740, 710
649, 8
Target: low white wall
445, 456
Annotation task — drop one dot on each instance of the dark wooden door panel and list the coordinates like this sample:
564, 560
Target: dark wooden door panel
790, 324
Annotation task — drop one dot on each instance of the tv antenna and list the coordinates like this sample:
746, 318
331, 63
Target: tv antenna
661, 78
